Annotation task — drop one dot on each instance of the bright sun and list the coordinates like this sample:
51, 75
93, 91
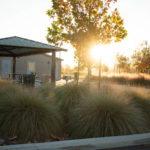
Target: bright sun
103, 53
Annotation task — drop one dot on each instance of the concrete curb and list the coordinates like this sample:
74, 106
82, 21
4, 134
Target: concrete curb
85, 144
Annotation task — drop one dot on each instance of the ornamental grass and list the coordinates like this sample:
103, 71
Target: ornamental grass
68, 96
105, 113
141, 99
24, 114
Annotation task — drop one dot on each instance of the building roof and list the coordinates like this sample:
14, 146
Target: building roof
57, 58
17, 46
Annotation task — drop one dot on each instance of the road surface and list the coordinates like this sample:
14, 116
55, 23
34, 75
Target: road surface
142, 147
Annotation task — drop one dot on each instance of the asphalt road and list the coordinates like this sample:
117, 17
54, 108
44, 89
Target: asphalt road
141, 147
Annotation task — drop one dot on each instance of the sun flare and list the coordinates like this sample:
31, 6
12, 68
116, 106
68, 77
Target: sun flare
103, 53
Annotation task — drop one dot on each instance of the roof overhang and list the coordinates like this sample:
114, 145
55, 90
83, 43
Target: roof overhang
19, 47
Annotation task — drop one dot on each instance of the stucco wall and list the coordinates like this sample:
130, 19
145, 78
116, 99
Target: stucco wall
42, 65
4, 58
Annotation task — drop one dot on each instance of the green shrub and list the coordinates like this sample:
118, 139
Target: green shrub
112, 79
118, 79
102, 114
139, 81
26, 115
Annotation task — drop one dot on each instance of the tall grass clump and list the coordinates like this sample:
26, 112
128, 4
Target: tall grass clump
28, 117
105, 114
7, 87
68, 96
47, 90
141, 99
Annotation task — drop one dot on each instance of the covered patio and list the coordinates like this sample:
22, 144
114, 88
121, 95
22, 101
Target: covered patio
19, 47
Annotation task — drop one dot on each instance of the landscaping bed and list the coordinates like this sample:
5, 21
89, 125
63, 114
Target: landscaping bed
70, 112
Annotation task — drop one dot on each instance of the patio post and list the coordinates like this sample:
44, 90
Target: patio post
14, 67
53, 68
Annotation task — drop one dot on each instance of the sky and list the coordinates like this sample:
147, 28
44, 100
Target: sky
28, 19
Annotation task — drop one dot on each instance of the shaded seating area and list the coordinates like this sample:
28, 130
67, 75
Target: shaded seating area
24, 79
17, 47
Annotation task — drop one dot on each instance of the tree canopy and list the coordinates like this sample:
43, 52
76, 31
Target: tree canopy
141, 58
123, 63
84, 23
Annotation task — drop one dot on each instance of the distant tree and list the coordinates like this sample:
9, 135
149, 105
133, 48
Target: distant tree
137, 61
105, 68
141, 58
62, 69
84, 23
123, 63
67, 69
76, 68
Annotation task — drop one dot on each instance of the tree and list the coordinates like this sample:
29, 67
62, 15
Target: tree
84, 23
141, 58
67, 69
123, 63
105, 68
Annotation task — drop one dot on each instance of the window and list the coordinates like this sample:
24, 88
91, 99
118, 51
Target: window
31, 67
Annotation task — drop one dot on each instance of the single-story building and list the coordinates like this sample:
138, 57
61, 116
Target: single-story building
23, 56
40, 65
